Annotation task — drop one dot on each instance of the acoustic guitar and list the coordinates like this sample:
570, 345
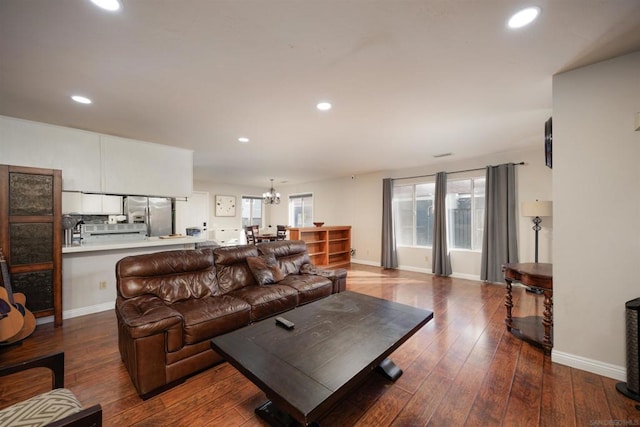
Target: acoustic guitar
11, 320
18, 302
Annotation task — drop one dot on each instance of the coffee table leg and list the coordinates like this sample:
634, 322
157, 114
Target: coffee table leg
389, 369
277, 417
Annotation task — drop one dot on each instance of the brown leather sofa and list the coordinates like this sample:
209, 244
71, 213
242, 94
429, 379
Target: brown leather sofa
170, 304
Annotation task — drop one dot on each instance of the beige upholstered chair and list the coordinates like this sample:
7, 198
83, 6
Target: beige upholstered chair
58, 407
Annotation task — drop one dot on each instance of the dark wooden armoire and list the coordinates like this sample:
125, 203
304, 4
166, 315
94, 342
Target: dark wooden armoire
31, 236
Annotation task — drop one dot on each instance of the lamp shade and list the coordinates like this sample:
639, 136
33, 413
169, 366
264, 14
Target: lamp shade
537, 208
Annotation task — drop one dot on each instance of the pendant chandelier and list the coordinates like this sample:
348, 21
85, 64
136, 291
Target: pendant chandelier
271, 197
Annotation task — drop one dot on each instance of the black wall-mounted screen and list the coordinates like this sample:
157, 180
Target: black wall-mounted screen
548, 142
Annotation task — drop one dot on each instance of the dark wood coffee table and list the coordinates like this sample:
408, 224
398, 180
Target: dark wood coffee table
335, 344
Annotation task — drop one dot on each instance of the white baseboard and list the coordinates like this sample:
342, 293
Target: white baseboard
414, 269
594, 366
365, 262
468, 277
77, 312
419, 270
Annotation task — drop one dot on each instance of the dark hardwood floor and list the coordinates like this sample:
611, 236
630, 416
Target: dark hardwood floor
462, 368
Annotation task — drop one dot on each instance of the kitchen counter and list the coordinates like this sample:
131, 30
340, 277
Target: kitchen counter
88, 271
147, 243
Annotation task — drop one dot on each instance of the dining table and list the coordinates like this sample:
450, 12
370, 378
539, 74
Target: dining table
266, 237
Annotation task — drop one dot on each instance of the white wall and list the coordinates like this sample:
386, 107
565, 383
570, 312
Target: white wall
596, 179
227, 222
357, 201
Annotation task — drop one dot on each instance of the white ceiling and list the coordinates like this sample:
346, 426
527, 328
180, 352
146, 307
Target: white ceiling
408, 79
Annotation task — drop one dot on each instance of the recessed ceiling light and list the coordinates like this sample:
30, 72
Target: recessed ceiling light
243, 139
81, 99
524, 17
110, 5
323, 106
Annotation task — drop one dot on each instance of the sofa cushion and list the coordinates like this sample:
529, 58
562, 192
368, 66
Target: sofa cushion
309, 287
170, 275
232, 268
266, 301
206, 318
265, 269
291, 254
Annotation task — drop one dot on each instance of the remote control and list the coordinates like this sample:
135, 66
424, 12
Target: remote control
284, 323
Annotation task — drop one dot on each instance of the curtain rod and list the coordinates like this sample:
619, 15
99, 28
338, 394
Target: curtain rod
460, 171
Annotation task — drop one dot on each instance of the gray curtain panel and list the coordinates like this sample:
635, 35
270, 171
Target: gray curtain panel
441, 263
499, 243
389, 252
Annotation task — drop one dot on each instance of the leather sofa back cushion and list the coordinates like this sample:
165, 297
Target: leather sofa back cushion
291, 254
171, 275
232, 268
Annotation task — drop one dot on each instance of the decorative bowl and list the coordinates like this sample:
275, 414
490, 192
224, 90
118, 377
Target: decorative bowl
318, 224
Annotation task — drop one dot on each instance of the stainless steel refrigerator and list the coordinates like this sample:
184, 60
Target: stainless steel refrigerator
153, 211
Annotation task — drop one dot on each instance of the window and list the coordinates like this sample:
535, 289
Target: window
251, 210
301, 210
465, 213
413, 213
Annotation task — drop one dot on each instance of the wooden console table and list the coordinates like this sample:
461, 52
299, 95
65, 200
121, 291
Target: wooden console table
536, 275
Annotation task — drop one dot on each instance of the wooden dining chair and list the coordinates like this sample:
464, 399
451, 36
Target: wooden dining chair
281, 234
251, 231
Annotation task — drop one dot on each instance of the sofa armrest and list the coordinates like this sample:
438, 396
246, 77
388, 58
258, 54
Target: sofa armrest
147, 315
148, 329
338, 276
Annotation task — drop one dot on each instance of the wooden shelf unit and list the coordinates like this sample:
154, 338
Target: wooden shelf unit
327, 246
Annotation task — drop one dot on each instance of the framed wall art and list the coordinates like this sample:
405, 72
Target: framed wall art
225, 205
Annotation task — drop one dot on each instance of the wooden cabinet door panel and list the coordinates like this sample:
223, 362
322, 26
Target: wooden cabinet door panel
31, 235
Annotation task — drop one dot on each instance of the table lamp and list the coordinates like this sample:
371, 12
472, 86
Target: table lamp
537, 210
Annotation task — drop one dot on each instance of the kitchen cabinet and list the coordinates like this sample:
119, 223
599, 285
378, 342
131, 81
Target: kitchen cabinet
91, 204
145, 169
95, 163
71, 202
228, 236
75, 152
111, 205
327, 246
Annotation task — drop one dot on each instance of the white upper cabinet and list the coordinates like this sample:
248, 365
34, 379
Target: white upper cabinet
71, 202
141, 168
95, 163
112, 205
90, 204
39, 145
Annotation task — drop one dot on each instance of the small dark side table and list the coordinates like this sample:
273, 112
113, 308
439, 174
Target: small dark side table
536, 275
